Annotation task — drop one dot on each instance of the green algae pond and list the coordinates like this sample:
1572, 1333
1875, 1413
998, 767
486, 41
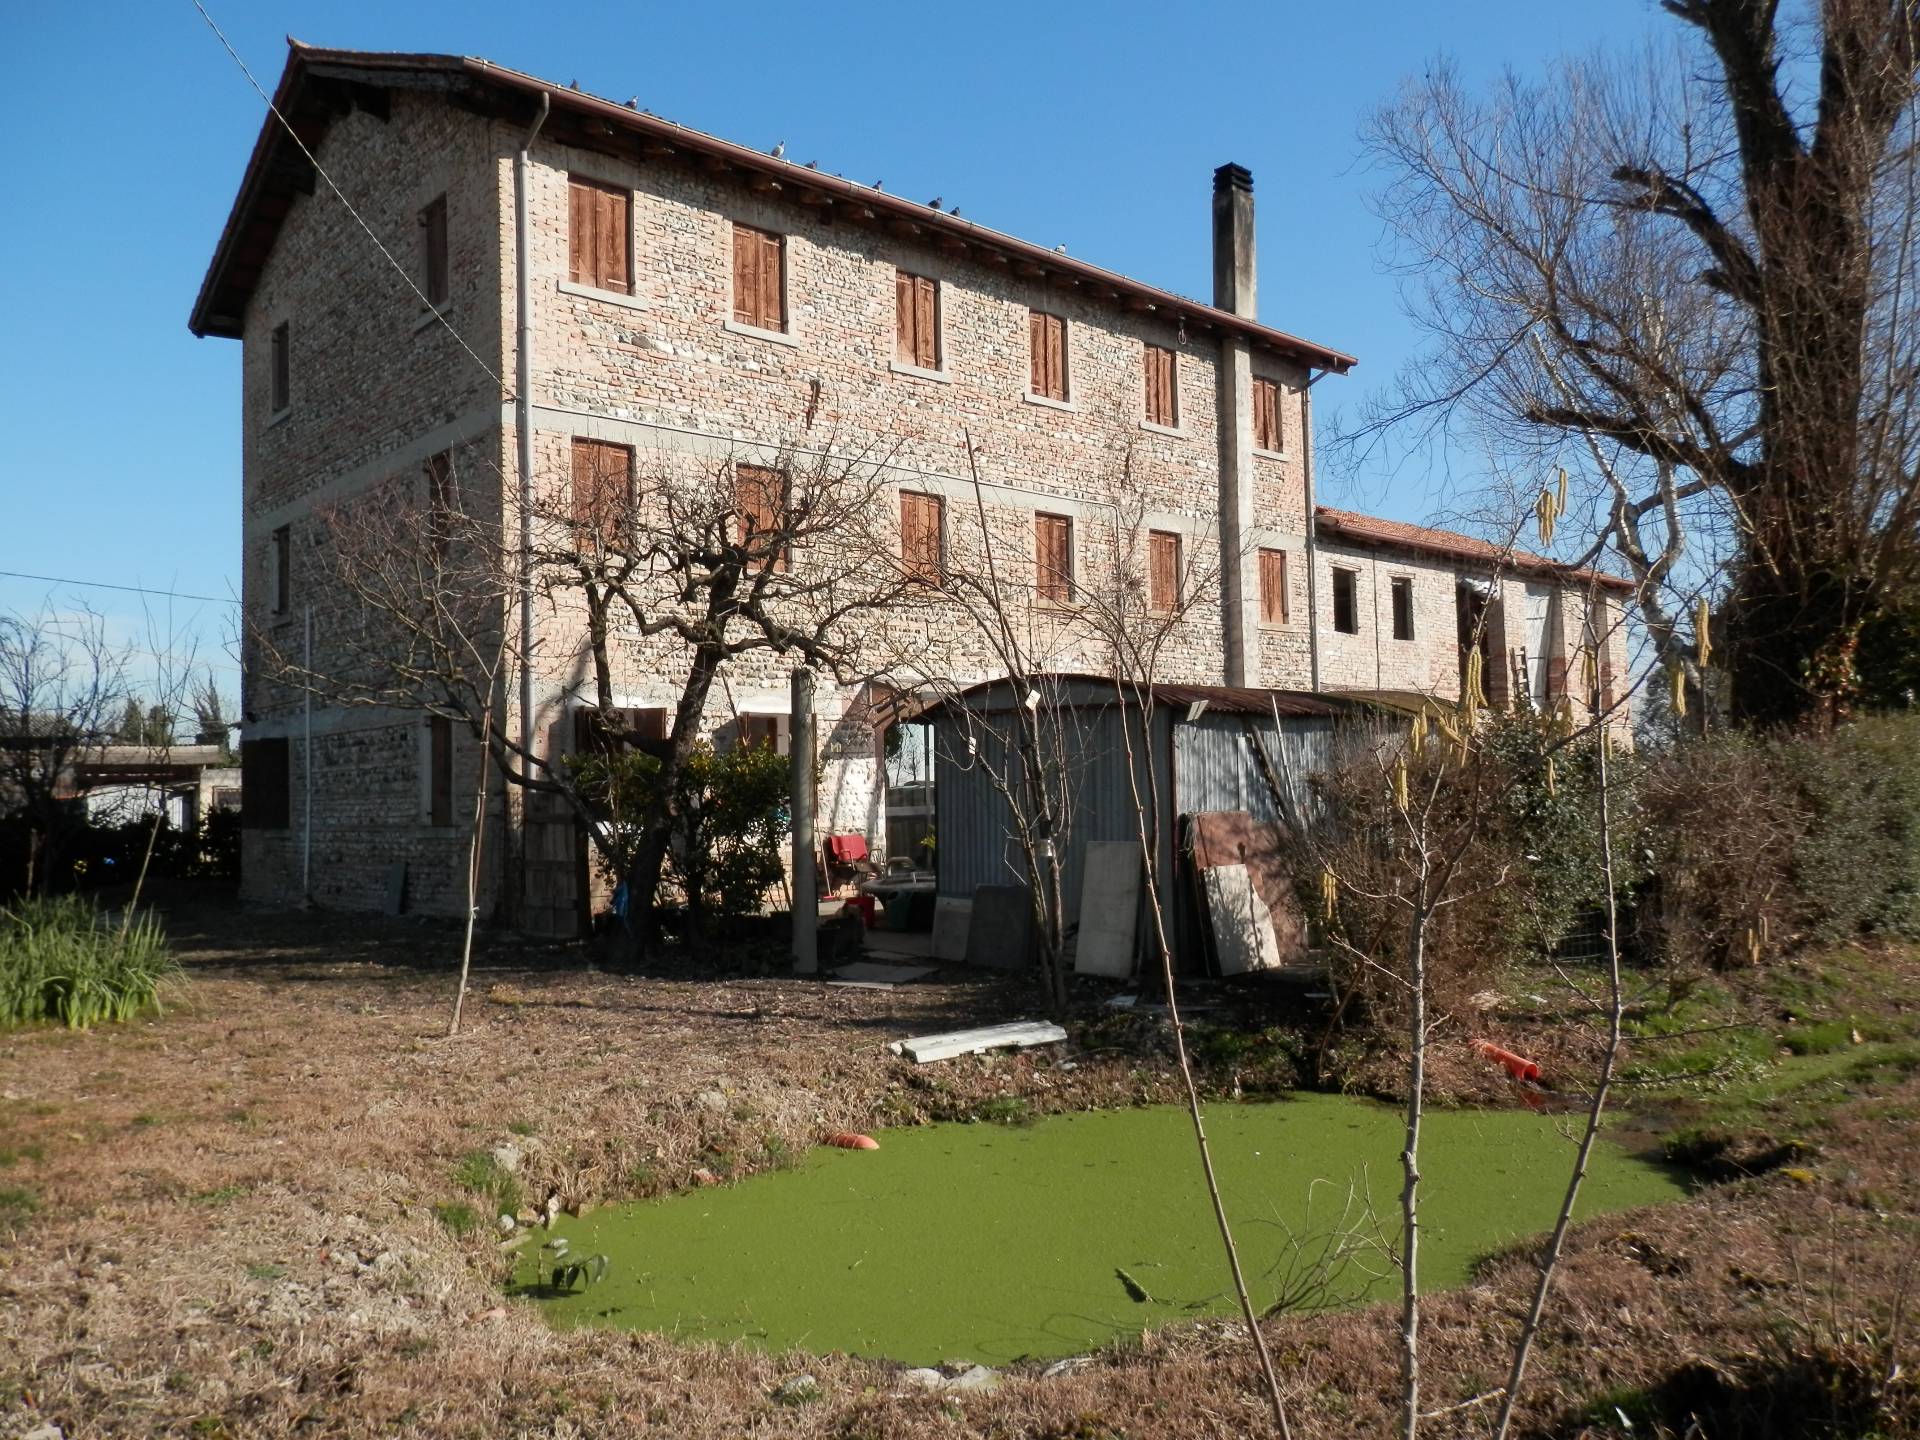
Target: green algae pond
990, 1243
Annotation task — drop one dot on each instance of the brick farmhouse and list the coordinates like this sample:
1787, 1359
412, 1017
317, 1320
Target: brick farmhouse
689, 300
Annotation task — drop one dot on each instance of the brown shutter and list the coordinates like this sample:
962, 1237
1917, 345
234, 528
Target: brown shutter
583, 267
927, 328
440, 771
433, 250
760, 497
746, 274
1266, 415
772, 310
1273, 587
905, 314
1053, 552
1158, 364
1036, 352
920, 535
616, 239
1163, 571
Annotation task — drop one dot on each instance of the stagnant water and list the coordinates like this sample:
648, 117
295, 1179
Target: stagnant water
990, 1242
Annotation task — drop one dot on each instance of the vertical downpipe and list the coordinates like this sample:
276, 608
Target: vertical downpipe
806, 884
523, 428
1313, 530
306, 769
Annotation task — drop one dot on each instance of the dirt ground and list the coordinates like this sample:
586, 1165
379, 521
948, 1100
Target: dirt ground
230, 1220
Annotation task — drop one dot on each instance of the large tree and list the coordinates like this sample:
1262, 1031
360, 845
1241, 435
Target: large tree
1690, 276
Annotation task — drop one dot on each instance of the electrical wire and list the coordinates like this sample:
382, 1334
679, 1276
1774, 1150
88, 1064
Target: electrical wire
319, 170
108, 585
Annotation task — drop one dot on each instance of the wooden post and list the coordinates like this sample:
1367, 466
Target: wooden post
806, 886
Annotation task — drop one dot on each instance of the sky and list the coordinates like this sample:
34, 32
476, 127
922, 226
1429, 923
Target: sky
1096, 126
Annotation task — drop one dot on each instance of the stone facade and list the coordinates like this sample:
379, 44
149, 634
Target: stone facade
378, 384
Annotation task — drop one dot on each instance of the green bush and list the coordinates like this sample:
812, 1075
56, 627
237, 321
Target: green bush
63, 960
1856, 864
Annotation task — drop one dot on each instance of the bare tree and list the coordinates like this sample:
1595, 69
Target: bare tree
63, 688
1691, 277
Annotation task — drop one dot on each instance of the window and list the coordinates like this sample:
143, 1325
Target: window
761, 500
771, 731
759, 279
1346, 611
923, 537
439, 772
1266, 415
266, 791
441, 502
281, 559
1053, 557
1163, 571
1163, 405
602, 492
282, 383
916, 336
599, 235
1047, 335
1402, 607
1273, 587
433, 252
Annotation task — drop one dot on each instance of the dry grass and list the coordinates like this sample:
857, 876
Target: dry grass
234, 1232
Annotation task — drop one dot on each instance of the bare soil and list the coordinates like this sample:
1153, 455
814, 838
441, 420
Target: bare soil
222, 1221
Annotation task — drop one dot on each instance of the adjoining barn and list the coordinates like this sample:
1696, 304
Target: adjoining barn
1183, 750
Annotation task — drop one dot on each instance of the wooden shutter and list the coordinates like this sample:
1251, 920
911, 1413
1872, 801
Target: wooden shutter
282, 366
758, 288
905, 317
1163, 571
1266, 415
921, 528
266, 792
439, 771
1047, 338
760, 500
1053, 554
602, 492
1273, 587
433, 251
916, 330
1162, 408
599, 235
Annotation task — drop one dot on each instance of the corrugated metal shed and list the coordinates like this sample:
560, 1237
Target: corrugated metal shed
1216, 760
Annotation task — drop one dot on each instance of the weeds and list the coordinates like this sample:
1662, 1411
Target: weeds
483, 1175
1005, 1110
459, 1219
61, 961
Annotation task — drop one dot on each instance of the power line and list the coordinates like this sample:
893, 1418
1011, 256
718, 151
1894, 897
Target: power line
108, 585
314, 161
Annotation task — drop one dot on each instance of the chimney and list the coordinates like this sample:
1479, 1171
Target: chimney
1233, 284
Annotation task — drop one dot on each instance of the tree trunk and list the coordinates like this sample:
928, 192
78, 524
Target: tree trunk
656, 824
1410, 1163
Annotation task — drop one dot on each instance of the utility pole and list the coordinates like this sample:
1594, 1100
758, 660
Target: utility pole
806, 886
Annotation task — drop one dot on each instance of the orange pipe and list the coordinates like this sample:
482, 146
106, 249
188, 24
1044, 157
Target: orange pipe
1518, 1066
847, 1140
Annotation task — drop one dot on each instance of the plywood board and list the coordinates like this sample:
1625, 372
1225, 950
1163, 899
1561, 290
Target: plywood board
1109, 909
1243, 937
1019, 1034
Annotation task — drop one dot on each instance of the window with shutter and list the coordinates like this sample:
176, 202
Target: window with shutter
282, 562
266, 792
1402, 607
1163, 571
1047, 339
439, 771
435, 283
1266, 415
599, 235
1273, 587
1163, 406
922, 537
1053, 557
602, 493
441, 502
761, 502
281, 383
759, 279
916, 339
1346, 608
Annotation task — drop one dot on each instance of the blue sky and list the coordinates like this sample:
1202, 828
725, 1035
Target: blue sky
1092, 125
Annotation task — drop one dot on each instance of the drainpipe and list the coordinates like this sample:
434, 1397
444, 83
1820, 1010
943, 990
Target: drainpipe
1313, 528
523, 428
